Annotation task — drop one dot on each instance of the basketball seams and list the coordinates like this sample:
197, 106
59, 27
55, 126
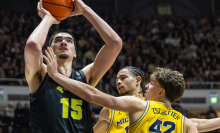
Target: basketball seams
56, 4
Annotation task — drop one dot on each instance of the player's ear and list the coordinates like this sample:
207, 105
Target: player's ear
138, 80
162, 92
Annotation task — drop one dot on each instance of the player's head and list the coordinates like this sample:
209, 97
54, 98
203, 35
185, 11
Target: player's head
165, 83
129, 79
63, 44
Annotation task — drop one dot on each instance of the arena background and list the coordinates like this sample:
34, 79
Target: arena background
177, 34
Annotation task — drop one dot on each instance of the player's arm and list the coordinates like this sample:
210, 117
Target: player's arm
33, 49
89, 93
205, 125
189, 127
103, 122
108, 53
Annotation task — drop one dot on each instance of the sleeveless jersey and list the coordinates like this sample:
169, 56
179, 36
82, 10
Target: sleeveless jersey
56, 110
158, 118
118, 122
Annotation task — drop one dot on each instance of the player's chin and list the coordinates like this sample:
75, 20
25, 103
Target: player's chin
63, 56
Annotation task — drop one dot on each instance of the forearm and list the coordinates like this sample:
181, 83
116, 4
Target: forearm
39, 35
78, 88
109, 36
204, 125
91, 94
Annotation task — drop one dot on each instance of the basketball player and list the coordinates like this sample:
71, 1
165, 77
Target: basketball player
113, 121
166, 86
53, 108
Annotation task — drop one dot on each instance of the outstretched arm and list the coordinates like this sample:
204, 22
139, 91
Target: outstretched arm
108, 53
89, 93
205, 125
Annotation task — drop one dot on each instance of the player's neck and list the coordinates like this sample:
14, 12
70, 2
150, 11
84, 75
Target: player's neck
167, 102
65, 67
137, 93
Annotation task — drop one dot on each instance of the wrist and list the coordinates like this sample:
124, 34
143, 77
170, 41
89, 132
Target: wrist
86, 9
55, 76
49, 19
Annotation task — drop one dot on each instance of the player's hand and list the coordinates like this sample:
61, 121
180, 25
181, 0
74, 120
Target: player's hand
51, 61
43, 12
80, 8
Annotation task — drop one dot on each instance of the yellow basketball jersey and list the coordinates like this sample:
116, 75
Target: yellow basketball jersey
119, 122
158, 118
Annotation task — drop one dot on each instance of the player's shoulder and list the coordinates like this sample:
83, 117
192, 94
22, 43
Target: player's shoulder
188, 122
104, 114
189, 126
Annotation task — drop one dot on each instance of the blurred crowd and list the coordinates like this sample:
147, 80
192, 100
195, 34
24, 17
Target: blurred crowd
15, 119
189, 45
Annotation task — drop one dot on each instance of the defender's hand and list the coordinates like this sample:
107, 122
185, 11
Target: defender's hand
80, 8
43, 12
51, 62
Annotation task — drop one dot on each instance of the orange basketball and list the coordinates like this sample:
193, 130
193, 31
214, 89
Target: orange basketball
58, 8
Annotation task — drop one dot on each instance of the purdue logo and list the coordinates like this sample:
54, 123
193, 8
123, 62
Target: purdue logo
61, 89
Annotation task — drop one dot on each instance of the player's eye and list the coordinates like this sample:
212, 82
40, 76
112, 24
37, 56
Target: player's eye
70, 41
58, 40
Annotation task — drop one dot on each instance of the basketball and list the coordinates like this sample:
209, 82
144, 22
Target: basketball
58, 8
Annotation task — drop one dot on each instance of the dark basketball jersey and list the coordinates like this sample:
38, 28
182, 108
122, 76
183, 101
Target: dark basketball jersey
56, 110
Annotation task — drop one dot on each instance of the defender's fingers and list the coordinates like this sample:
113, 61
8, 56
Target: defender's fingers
48, 55
46, 59
51, 52
48, 50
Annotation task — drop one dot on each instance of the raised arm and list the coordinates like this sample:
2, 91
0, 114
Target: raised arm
89, 93
103, 122
33, 49
108, 53
205, 125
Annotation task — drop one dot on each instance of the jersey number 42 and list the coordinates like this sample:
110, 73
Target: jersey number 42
155, 127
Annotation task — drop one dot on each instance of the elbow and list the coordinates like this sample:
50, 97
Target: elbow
117, 44
32, 47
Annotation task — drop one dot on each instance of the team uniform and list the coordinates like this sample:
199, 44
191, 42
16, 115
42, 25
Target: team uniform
158, 118
118, 122
56, 110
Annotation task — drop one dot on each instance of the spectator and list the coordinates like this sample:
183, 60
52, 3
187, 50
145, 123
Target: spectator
211, 113
18, 119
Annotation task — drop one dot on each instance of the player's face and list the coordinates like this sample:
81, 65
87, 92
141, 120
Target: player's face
125, 82
63, 46
152, 90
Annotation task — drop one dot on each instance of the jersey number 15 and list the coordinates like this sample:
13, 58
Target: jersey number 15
76, 105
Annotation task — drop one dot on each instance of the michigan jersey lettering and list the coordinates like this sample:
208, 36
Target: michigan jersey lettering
158, 118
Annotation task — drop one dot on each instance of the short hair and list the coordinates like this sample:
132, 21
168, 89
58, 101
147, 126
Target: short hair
61, 31
137, 72
172, 81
